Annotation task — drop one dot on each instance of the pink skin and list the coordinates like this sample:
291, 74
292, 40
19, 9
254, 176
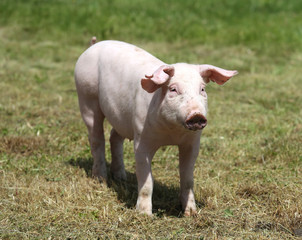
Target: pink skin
147, 101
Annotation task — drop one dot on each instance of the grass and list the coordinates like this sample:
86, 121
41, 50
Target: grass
248, 174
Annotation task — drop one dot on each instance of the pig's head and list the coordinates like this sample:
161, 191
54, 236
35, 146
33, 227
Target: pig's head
183, 96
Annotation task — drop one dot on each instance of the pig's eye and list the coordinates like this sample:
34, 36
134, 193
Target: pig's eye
203, 92
173, 89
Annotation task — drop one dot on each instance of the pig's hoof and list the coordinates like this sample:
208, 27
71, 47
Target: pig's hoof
145, 212
119, 175
99, 174
101, 179
190, 212
144, 208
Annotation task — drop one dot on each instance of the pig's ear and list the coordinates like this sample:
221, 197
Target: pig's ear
158, 78
215, 74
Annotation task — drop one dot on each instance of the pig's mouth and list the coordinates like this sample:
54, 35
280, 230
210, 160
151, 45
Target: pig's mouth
195, 122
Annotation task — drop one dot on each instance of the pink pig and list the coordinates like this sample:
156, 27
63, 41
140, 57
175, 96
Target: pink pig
147, 101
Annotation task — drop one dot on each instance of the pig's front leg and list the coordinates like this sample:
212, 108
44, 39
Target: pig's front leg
143, 157
187, 157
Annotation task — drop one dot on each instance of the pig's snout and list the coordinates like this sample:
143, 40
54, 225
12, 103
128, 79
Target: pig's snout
195, 121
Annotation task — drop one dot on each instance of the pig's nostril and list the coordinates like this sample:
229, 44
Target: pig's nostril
198, 119
196, 122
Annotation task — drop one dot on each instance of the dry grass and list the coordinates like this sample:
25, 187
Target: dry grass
248, 181
21, 145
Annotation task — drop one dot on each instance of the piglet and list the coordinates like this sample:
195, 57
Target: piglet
147, 101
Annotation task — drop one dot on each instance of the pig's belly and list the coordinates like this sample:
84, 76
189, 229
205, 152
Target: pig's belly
119, 116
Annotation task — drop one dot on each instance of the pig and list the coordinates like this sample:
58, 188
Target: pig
148, 101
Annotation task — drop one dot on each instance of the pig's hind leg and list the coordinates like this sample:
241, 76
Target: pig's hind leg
94, 119
117, 165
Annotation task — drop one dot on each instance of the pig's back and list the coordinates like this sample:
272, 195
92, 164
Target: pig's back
121, 68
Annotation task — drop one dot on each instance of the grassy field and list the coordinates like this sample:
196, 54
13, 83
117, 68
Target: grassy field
248, 182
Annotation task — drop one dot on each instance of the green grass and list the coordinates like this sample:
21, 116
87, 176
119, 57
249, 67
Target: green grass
248, 181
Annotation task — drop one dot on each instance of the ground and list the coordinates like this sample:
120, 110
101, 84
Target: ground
248, 181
